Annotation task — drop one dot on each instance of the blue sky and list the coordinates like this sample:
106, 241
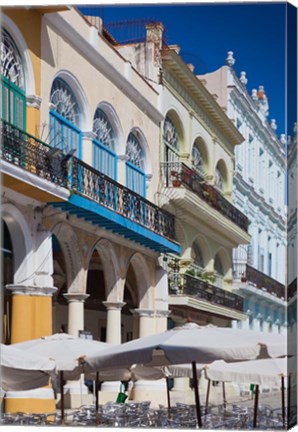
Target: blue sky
255, 32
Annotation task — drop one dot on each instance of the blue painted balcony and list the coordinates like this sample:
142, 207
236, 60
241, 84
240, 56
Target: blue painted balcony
93, 196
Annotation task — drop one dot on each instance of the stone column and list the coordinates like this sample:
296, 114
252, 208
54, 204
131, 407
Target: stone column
75, 312
75, 391
113, 321
109, 389
146, 321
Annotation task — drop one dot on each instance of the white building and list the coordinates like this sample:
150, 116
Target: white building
259, 270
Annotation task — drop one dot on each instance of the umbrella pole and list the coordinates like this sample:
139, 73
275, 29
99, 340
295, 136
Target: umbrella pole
256, 406
224, 395
168, 396
207, 396
283, 410
96, 397
196, 389
289, 399
62, 397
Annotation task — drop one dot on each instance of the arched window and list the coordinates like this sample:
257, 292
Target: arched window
219, 181
135, 164
171, 141
64, 118
12, 83
104, 155
198, 256
197, 160
219, 271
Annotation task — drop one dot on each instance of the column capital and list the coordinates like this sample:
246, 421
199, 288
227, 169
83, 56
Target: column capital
143, 312
113, 305
31, 290
162, 313
75, 297
122, 157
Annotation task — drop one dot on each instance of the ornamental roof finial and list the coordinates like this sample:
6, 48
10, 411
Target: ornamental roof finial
273, 124
230, 61
254, 94
283, 139
243, 78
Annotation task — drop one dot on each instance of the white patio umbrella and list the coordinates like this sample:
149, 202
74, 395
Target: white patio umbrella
190, 344
66, 350
23, 371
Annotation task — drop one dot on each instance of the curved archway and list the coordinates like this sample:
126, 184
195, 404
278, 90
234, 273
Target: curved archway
222, 266
173, 136
112, 116
221, 175
85, 122
13, 30
200, 156
204, 248
138, 164
22, 244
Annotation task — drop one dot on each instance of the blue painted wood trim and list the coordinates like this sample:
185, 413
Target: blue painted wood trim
99, 215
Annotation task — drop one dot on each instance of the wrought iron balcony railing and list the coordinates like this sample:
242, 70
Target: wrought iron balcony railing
184, 284
262, 281
292, 289
29, 153
89, 182
176, 174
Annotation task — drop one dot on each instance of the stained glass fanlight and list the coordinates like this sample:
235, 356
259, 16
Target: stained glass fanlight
134, 151
170, 135
197, 160
64, 101
103, 129
11, 62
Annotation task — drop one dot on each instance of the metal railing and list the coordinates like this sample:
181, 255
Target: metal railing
262, 281
29, 153
184, 284
176, 174
292, 289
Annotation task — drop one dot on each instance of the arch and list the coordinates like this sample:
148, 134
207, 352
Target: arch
113, 118
203, 244
75, 273
19, 40
140, 267
175, 118
138, 165
22, 244
221, 175
85, 123
113, 286
200, 145
225, 260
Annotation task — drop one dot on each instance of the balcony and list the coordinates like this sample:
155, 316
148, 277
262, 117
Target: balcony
260, 280
92, 195
187, 285
177, 174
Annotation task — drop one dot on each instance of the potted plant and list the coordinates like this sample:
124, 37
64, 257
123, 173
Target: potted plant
176, 181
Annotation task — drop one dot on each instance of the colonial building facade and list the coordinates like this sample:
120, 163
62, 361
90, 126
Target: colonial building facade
259, 189
82, 234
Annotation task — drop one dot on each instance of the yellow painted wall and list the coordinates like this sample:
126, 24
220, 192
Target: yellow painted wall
29, 24
31, 318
